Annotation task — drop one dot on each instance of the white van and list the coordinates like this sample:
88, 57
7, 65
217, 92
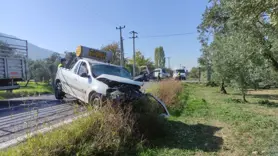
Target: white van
182, 74
162, 71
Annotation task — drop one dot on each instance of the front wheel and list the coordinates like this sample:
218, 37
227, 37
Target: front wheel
95, 100
59, 94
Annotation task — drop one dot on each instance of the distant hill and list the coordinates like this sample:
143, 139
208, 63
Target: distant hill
34, 52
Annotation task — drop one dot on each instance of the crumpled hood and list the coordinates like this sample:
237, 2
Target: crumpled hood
119, 79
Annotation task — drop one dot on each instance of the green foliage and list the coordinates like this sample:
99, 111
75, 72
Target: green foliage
38, 70
115, 49
6, 49
243, 49
129, 67
140, 60
159, 57
194, 73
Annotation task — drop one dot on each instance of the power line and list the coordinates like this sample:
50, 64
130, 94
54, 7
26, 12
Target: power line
169, 35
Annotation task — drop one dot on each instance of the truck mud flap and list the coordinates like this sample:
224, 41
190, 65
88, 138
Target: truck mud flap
167, 114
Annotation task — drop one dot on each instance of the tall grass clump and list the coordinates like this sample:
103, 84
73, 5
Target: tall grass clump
174, 94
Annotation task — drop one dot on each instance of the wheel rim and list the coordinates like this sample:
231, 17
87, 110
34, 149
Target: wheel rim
96, 102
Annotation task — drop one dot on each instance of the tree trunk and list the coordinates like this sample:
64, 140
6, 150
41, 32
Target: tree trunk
222, 89
244, 98
27, 83
255, 87
243, 95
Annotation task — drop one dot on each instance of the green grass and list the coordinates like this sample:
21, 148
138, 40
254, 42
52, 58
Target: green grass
208, 123
30, 90
216, 124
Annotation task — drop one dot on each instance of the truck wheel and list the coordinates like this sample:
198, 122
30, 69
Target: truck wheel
59, 94
95, 100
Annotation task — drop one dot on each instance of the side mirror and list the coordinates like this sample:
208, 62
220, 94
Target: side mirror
84, 75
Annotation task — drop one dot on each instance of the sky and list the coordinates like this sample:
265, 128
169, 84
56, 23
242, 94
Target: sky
62, 25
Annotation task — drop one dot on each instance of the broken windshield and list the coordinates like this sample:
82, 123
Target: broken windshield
99, 69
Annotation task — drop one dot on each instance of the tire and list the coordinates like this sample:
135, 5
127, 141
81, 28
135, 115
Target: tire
59, 94
96, 100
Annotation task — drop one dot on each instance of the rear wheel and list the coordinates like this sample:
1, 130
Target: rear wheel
59, 94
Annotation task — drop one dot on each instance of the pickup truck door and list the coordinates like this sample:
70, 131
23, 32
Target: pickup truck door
83, 83
71, 77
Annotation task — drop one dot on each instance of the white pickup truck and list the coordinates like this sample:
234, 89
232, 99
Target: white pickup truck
92, 80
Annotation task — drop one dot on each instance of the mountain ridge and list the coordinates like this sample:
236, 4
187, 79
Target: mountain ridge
34, 52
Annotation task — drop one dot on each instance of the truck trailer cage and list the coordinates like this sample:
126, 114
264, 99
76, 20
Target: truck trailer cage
13, 62
13, 46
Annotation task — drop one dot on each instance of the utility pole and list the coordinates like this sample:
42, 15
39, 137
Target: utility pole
133, 37
169, 62
122, 45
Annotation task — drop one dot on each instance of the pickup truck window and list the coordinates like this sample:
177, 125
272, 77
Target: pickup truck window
76, 68
98, 69
83, 69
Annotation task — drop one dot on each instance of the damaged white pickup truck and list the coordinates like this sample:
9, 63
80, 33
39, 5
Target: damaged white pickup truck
92, 79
